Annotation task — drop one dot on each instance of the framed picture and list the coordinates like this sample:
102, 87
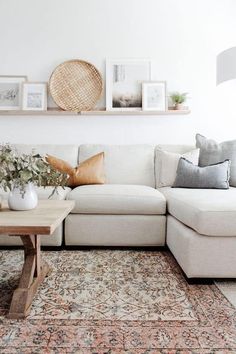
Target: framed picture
124, 79
11, 92
154, 97
34, 96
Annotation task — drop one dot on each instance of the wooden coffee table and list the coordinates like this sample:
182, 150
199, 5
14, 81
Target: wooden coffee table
29, 226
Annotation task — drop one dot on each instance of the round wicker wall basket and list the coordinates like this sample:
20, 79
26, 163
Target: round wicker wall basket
76, 85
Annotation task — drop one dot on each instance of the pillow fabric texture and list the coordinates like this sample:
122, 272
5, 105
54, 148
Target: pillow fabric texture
211, 152
90, 171
210, 177
167, 163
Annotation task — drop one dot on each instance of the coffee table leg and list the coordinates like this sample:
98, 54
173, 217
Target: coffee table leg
33, 273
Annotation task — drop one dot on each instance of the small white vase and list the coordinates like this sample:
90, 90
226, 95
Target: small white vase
18, 201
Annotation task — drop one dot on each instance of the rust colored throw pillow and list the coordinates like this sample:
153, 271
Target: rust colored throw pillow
90, 171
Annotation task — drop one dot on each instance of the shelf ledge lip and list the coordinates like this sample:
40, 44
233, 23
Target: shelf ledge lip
60, 112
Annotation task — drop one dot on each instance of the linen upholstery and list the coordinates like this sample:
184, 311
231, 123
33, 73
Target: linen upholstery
214, 176
166, 164
208, 211
115, 230
68, 153
201, 256
117, 199
212, 152
124, 164
176, 148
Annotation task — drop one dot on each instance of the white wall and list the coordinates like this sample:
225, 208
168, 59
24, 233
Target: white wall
182, 38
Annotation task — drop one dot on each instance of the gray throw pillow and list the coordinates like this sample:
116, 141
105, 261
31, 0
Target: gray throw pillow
211, 152
211, 177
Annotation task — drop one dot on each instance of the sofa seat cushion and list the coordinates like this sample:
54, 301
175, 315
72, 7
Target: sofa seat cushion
117, 199
208, 211
44, 193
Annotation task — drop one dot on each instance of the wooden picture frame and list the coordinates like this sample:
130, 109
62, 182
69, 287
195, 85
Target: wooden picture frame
124, 79
34, 96
154, 96
11, 92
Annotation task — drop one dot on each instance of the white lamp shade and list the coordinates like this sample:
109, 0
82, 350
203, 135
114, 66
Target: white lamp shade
226, 65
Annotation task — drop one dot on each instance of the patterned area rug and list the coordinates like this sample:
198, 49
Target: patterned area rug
107, 301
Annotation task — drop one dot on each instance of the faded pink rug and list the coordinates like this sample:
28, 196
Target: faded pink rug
108, 301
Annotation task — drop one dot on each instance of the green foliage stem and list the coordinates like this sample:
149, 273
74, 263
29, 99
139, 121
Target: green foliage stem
17, 170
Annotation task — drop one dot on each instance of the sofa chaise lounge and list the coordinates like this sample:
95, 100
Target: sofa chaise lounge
198, 225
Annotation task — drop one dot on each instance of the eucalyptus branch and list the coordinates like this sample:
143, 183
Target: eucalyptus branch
17, 170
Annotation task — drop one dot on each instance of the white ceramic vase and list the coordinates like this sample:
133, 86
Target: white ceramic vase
29, 200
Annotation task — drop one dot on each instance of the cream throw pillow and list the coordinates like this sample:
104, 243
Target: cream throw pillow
166, 165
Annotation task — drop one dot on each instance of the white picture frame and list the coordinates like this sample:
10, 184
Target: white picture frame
124, 79
34, 96
154, 96
11, 92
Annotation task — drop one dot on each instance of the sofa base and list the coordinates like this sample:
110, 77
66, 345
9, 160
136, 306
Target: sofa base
201, 256
115, 230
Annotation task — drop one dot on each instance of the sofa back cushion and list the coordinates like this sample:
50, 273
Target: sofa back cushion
178, 149
69, 153
124, 164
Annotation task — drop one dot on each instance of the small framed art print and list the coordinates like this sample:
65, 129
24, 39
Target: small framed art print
124, 79
11, 92
154, 97
34, 96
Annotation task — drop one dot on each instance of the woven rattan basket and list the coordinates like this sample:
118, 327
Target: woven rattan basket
76, 85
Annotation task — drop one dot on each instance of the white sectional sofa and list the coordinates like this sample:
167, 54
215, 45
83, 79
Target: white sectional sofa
199, 226
128, 210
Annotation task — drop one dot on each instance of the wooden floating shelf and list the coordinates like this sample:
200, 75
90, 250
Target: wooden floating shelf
59, 112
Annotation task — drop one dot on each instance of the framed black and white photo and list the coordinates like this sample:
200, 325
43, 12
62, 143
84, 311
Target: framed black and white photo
11, 92
124, 79
34, 96
154, 97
